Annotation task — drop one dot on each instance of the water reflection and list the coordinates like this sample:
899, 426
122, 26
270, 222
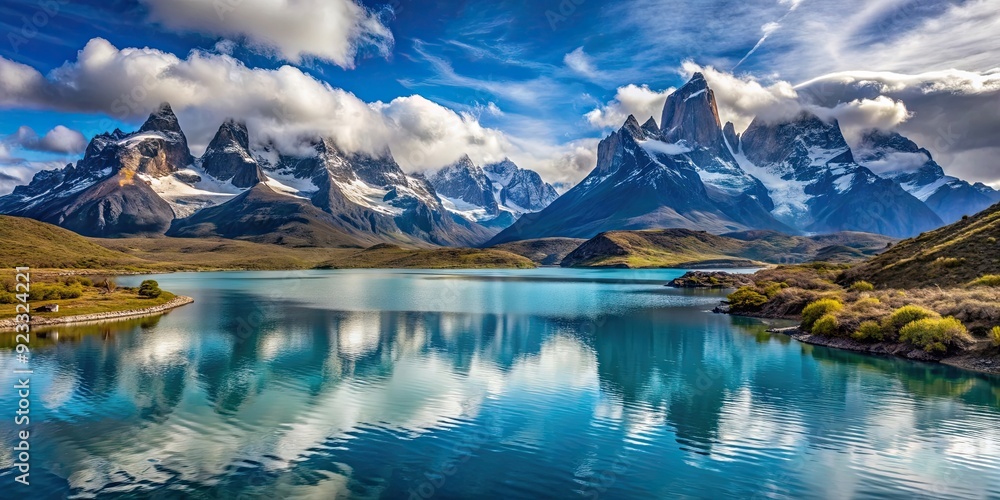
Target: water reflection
644, 394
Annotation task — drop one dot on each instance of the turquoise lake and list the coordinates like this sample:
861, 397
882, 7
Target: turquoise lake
547, 383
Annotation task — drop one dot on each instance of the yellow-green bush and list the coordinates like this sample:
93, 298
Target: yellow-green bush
746, 299
908, 314
934, 334
813, 312
7, 297
770, 288
826, 326
988, 280
869, 331
995, 336
41, 291
867, 303
862, 286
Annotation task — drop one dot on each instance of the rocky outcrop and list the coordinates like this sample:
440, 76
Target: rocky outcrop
228, 157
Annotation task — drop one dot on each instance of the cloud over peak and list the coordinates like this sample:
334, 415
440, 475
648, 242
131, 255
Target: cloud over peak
335, 31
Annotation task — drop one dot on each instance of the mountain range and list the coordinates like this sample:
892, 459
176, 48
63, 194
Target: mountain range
148, 183
795, 176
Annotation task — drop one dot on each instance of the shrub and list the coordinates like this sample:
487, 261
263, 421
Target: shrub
988, 280
150, 289
746, 299
826, 326
949, 262
867, 303
908, 314
771, 289
869, 331
862, 286
7, 297
934, 334
813, 312
995, 336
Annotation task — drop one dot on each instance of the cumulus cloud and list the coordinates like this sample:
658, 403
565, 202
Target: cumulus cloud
58, 140
283, 106
640, 101
330, 30
743, 98
954, 114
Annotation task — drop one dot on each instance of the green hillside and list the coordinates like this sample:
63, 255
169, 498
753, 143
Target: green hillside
953, 255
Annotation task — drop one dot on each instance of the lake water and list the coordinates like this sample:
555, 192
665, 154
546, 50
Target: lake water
548, 383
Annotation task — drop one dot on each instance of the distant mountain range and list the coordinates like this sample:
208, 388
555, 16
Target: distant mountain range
148, 183
795, 176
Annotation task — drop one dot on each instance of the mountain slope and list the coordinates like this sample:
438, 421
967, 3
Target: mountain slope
895, 157
262, 215
811, 173
494, 195
687, 248
952, 255
371, 194
27, 242
681, 174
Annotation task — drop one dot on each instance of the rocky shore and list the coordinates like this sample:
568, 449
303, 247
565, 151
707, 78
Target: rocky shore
9, 324
980, 362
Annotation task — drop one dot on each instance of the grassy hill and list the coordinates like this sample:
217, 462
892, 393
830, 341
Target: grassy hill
686, 248
394, 257
952, 255
27, 242
544, 251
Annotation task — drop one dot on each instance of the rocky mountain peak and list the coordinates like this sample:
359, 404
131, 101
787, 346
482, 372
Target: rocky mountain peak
691, 114
768, 142
228, 156
729, 132
651, 128
633, 128
231, 132
162, 120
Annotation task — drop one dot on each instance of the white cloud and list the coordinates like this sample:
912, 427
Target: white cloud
954, 114
282, 105
58, 140
640, 101
862, 114
330, 30
742, 98
897, 162
579, 62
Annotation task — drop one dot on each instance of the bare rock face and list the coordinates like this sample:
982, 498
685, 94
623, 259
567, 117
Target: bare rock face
228, 157
691, 114
825, 189
732, 138
466, 181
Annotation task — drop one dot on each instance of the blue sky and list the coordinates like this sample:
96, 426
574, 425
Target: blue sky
539, 81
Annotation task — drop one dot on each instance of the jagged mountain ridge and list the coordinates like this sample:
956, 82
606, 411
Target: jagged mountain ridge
794, 175
811, 170
145, 182
680, 174
896, 157
495, 195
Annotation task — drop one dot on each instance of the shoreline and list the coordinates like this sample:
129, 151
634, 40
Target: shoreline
8, 325
967, 361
